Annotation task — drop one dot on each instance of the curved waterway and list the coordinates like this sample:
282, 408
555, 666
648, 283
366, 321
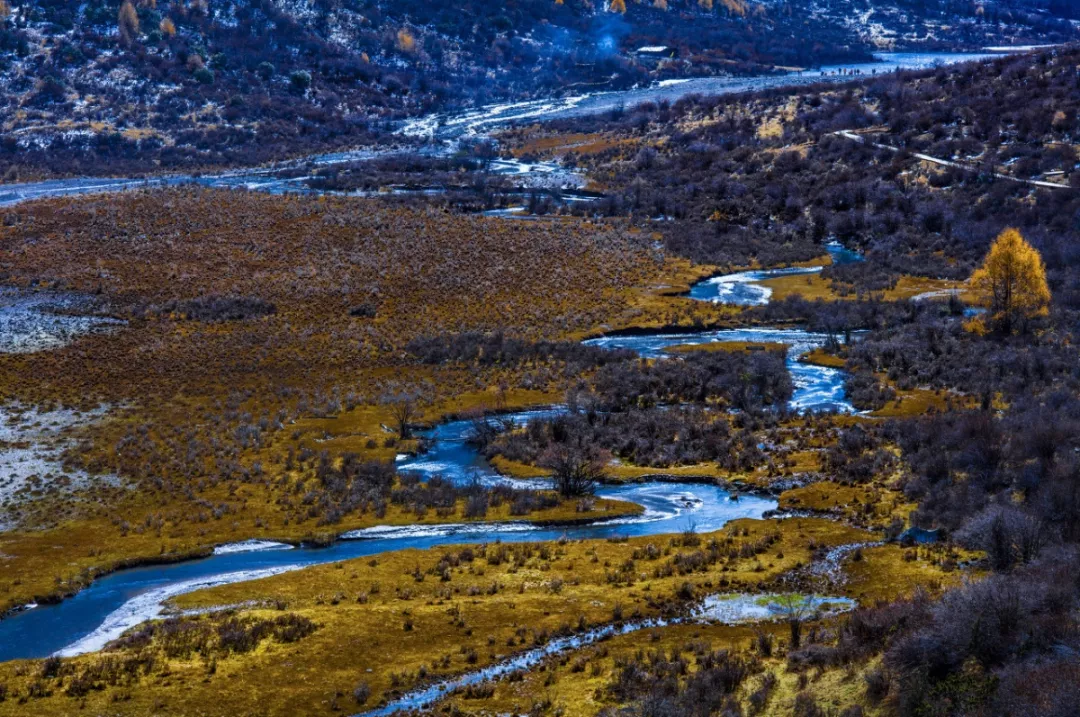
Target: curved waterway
121, 600
726, 609
116, 602
744, 288
817, 388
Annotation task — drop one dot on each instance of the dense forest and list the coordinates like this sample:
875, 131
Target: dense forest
769, 177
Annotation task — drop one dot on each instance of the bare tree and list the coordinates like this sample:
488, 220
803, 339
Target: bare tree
575, 468
403, 408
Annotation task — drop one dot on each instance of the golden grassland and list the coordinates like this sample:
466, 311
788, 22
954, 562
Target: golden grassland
887, 572
181, 389
578, 683
309, 375
869, 504
814, 286
391, 620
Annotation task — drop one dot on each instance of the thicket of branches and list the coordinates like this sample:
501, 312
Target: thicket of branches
747, 192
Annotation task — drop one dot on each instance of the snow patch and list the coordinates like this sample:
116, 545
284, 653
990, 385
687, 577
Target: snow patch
250, 546
150, 605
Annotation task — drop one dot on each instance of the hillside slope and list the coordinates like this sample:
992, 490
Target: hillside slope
197, 83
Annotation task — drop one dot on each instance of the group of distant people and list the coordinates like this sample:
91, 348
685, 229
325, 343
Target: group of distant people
843, 71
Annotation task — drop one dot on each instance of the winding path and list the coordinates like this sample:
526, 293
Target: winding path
851, 135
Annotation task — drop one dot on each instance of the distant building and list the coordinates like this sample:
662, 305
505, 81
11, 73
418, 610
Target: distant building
654, 53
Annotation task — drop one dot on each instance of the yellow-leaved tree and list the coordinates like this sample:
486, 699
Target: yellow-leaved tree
617, 6
128, 23
1011, 283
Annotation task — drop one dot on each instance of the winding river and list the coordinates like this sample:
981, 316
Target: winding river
116, 602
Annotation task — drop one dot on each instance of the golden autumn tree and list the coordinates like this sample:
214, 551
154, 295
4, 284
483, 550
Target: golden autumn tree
128, 22
617, 6
735, 7
5, 10
1012, 282
167, 27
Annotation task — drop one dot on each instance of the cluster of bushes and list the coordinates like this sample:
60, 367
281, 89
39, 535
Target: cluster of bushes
858, 455
352, 485
744, 195
1003, 645
1030, 451
748, 381
663, 684
937, 351
216, 308
659, 413
495, 348
655, 437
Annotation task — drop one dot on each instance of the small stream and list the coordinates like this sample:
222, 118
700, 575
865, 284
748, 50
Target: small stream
743, 288
726, 609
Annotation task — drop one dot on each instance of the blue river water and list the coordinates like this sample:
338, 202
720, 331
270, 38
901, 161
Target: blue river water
742, 288
121, 600
817, 388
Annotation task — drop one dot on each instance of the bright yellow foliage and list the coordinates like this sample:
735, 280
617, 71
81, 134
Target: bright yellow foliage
5, 10
617, 6
167, 27
1012, 282
405, 40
